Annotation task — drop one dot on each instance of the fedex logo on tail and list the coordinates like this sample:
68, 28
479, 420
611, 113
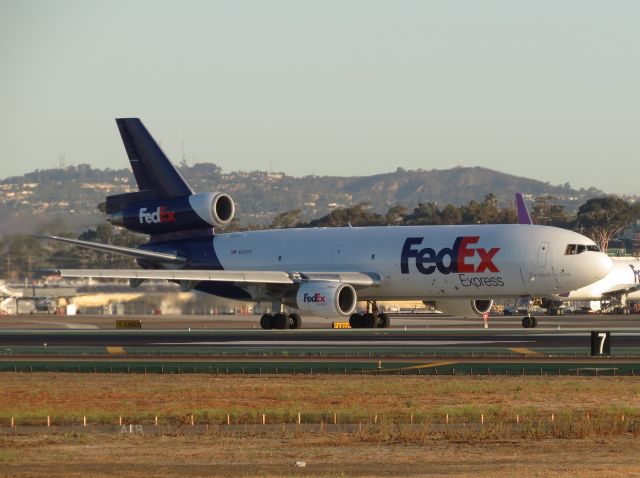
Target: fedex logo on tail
159, 215
455, 259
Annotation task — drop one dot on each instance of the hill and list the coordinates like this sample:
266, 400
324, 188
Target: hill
70, 195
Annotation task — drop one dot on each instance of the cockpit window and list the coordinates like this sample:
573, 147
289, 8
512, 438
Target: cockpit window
573, 249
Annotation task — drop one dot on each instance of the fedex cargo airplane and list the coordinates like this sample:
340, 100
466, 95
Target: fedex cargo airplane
325, 271
620, 285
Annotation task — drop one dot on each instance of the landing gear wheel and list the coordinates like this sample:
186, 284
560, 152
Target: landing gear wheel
529, 322
355, 321
280, 321
384, 321
294, 321
266, 321
370, 320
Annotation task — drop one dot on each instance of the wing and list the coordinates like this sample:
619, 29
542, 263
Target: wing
619, 289
188, 278
361, 279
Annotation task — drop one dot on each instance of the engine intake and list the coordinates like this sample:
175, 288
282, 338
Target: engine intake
324, 299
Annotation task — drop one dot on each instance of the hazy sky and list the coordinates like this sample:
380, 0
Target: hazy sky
544, 89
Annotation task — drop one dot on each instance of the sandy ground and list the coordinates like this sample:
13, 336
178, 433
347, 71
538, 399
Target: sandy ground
323, 455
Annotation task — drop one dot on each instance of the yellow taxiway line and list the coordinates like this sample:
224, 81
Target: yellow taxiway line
522, 350
412, 367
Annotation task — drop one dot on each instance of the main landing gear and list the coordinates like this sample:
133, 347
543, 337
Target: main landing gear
371, 319
280, 321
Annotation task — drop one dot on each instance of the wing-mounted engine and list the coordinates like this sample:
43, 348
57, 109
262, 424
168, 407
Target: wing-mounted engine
463, 307
161, 216
324, 299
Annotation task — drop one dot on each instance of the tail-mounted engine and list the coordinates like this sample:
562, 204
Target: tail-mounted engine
160, 216
324, 299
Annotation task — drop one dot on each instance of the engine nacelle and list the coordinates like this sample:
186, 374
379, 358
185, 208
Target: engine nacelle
464, 307
159, 216
325, 299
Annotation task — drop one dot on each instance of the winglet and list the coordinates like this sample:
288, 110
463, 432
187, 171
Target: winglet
523, 213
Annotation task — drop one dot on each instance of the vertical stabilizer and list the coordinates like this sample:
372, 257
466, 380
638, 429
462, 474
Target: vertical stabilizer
151, 167
523, 213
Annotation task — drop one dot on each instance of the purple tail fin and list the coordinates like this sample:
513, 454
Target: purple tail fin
523, 213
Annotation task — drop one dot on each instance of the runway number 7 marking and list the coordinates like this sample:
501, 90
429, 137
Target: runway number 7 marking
603, 337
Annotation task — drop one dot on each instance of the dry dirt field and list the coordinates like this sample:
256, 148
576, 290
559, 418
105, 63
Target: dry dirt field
339, 456
608, 444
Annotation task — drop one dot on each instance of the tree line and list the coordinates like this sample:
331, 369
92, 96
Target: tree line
602, 218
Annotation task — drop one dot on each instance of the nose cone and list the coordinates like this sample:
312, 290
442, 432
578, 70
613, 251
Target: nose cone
601, 265
593, 267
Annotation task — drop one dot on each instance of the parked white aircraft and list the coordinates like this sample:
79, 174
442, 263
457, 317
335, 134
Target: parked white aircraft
324, 271
617, 288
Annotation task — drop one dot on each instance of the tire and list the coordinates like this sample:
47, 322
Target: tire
355, 321
370, 321
295, 321
384, 321
527, 322
266, 321
280, 321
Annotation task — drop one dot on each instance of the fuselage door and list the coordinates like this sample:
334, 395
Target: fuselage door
543, 252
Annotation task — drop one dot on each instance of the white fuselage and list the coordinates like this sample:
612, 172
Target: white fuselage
426, 262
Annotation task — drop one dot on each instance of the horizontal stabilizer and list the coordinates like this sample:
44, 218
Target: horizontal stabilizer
125, 251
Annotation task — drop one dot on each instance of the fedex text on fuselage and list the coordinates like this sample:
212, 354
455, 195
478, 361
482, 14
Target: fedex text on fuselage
449, 259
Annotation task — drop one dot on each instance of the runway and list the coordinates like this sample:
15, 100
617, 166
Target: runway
249, 340
422, 345
245, 322
409, 335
